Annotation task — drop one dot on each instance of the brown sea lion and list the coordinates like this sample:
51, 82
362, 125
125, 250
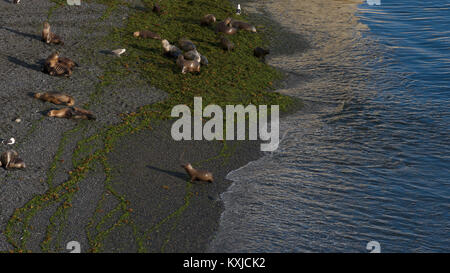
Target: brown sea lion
11, 160
203, 60
192, 55
170, 50
198, 174
71, 113
186, 45
225, 27
54, 68
49, 37
68, 62
56, 98
157, 9
226, 44
260, 52
147, 34
243, 26
187, 65
208, 20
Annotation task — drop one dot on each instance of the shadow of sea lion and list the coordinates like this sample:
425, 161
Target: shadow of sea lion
32, 36
36, 67
179, 175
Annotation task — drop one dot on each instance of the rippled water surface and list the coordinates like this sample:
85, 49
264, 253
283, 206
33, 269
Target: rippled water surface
368, 157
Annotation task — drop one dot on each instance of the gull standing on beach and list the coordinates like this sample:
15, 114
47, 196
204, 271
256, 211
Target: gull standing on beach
238, 11
118, 52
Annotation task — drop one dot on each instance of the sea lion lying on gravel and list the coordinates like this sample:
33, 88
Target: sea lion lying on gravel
147, 34
242, 26
225, 27
208, 20
198, 174
187, 65
226, 44
11, 160
203, 60
72, 113
170, 50
186, 45
260, 52
56, 98
192, 55
157, 9
59, 66
49, 37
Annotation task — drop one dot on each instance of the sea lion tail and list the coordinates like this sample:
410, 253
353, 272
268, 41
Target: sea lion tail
91, 117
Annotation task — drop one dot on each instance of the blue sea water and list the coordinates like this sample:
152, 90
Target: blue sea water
369, 157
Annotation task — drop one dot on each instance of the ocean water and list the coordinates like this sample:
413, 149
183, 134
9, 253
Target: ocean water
368, 158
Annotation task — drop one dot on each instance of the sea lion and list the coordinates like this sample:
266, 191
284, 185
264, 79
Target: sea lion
156, 9
203, 60
56, 98
192, 55
68, 62
72, 113
226, 44
186, 45
11, 159
260, 52
198, 174
147, 34
170, 50
187, 65
243, 26
208, 20
225, 27
49, 37
55, 68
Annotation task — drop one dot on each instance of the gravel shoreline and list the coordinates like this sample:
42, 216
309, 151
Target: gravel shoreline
164, 213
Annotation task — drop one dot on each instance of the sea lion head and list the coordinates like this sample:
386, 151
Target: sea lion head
53, 59
227, 21
165, 44
54, 55
46, 25
211, 17
54, 113
187, 166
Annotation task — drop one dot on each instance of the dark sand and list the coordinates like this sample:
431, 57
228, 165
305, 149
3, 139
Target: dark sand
168, 213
